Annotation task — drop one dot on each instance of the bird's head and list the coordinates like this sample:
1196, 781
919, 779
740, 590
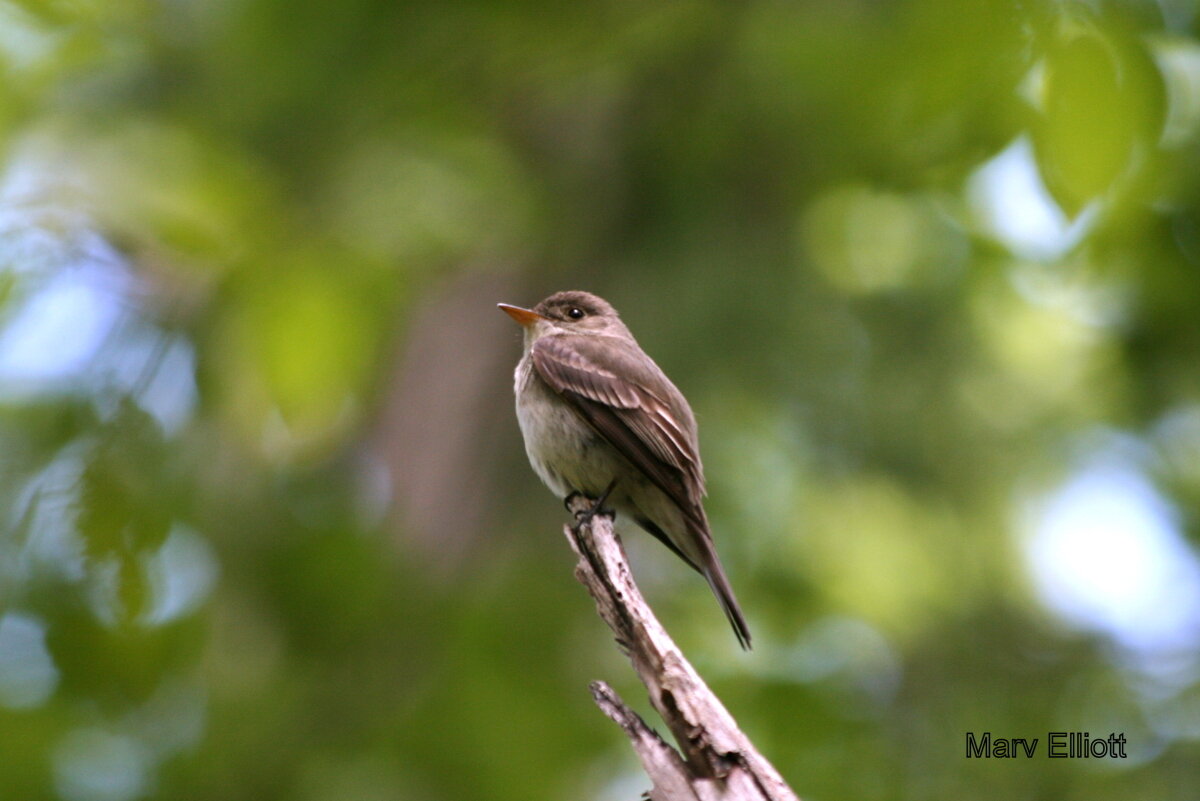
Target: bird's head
571, 312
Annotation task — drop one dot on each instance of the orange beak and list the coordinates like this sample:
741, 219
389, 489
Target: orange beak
525, 317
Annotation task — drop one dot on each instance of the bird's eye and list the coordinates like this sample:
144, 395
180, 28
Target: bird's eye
575, 313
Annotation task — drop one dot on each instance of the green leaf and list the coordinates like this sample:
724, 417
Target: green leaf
1102, 103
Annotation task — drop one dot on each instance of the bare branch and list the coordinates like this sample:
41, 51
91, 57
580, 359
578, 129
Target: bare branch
715, 759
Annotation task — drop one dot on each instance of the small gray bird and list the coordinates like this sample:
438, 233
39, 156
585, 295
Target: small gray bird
599, 416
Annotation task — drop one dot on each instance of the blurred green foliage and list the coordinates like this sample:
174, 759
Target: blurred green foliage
267, 527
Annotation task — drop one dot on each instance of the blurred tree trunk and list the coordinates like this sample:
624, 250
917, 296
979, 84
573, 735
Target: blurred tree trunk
441, 406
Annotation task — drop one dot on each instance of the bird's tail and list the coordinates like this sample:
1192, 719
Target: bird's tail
697, 550
721, 588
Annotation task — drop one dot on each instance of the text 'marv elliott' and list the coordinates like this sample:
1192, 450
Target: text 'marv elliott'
1060, 745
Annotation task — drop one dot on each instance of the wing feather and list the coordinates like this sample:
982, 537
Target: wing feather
628, 400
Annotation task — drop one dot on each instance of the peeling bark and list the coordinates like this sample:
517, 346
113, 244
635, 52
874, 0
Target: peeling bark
714, 760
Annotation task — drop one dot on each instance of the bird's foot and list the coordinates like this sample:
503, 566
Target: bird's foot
570, 500
584, 514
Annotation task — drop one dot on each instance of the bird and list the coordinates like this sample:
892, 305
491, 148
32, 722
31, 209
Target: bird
601, 419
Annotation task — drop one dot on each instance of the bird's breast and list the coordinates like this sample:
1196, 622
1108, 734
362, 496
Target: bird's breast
563, 449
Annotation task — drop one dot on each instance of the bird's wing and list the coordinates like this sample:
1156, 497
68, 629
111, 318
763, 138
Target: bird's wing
608, 380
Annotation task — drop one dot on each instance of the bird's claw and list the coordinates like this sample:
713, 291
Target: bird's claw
570, 500
584, 515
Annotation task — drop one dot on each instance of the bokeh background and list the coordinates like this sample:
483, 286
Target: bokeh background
928, 271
